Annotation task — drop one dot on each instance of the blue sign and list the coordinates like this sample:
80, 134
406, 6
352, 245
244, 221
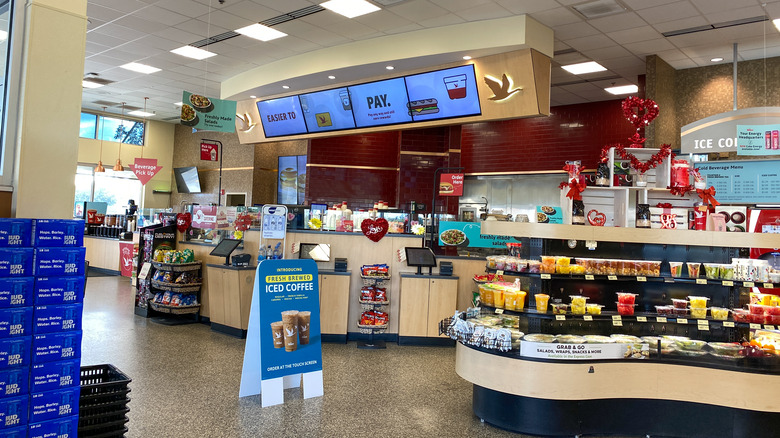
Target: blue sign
443, 93
468, 234
758, 140
380, 103
743, 182
290, 341
327, 110
282, 116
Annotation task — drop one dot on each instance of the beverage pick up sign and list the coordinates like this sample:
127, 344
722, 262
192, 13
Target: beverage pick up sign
209, 152
145, 169
208, 114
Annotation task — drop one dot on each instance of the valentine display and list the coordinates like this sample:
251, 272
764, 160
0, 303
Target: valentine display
375, 229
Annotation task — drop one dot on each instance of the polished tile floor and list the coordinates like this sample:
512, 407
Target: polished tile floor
186, 380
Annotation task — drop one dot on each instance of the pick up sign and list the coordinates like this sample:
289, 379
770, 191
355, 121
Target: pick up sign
145, 169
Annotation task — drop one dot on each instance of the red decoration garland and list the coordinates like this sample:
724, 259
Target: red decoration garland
708, 196
639, 166
639, 112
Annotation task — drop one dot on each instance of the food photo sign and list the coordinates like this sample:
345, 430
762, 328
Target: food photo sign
208, 114
468, 235
546, 214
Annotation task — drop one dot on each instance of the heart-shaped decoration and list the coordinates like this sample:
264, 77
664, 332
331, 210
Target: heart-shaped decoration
597, 218
639, 112
374, 229
183, 221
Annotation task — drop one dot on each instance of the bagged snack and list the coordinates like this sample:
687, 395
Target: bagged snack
176, 300
166, 299
189, 256
367, 318
168, 277
158, 275
380, 318
367, 293
380, 294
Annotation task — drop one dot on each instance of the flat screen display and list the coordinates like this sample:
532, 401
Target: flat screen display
282, 116
327, 110
187, 180
317, 252
380, 103
420, 257
443, 94
291, 180
225, 247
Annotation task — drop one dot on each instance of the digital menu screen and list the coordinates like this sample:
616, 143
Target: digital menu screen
282, 116
443, 94
380, 103
327, 110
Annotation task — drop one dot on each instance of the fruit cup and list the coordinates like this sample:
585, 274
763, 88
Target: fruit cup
626, 298
541, 302
693, 269
559, 308
741, 315
698, 312
594, 309
719, 313
625, 309
712, 271
578, 304
698, 302
676, 268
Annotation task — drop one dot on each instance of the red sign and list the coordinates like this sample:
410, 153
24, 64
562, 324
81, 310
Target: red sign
145, 169
204, 217
209, 152
451, 184
126, 258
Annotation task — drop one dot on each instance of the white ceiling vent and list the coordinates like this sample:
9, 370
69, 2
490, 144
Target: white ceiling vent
599, 8
388, 2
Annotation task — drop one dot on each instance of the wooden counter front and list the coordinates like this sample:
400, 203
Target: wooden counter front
230, 297
102, 252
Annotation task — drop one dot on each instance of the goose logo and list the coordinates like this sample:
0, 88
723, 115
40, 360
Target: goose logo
245, 122
290, 332
501, 89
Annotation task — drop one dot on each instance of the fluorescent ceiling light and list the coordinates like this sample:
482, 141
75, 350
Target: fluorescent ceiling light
193, 52
583, 68
624, 89
89, 84
466, 58
286, 87
390, 67
718, 59
776, 22
350, 8
253, 97
140, 113
331, 77
260, 32
3, 35
179, 103
140, 68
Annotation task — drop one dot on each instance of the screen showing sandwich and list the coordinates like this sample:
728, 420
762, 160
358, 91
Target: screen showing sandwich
328, 110
282, 116
443, 94
380, 103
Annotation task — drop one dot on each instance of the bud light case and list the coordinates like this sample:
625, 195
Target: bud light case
59, 232
51, 319
53, 262
16, 262
13, 411
16, 432
15, 352
58, 290
54, 404
16, 291
14, 382
52, 347
17, 233
16, 322
58, 428
55, 375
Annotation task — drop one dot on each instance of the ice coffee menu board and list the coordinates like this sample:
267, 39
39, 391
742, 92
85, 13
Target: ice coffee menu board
743, 182
434, 95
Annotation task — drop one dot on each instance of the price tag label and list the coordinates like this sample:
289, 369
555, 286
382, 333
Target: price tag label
545, 276
560, 317
612, 277
728, 324
617, 318
145, 271
748, 284
769, 327
703, 325
641, 279
500, 272
769, 286
668, 280
660, 319
728, 283
701, 281
499, 311
755, 326
617, 323
641, 319
682, 321
589, 277
587, 318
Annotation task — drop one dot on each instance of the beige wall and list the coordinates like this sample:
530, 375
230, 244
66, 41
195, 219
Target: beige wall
266, 163
158, 144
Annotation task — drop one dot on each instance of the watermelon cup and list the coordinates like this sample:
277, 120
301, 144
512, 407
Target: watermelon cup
626, 298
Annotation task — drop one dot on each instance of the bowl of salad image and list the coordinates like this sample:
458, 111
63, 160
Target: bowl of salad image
452, 237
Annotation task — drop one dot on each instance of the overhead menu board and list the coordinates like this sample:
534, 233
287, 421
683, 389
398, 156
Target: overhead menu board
743, 182
434, 95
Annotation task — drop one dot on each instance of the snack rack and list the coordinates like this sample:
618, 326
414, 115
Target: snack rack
180, 288
368, 305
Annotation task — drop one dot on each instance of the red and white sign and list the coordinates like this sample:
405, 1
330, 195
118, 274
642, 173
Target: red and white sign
451, 184
126, 259
145, 169
209, 152
204, 217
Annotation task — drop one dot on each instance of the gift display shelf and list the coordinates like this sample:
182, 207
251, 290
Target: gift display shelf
177, 287
177, 267
371, 330
639, 278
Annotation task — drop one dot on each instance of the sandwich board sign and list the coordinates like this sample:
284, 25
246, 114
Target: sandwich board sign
283, 343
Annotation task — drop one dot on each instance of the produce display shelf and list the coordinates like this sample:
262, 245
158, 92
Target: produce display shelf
661, 279
177, 267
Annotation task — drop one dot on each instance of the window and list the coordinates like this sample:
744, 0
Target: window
112, 129
113, 188
6, 18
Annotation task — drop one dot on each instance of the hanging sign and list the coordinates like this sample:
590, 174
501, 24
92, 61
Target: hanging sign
209, 152
145, 169
451, 184
719, 133
208, 114
204, 217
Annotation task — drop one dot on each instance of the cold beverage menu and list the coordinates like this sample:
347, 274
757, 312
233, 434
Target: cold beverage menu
744, 182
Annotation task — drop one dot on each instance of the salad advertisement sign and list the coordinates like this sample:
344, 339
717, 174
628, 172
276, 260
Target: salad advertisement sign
208, 114
468, 234
546, 214
584, 351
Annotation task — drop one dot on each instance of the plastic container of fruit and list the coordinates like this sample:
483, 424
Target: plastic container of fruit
740, 315
726, 348
712, 270
559, 308
680, 312
626, 298
593, 309
625, 309
698, 302
698, 312
719, 313
664, 310
679, 304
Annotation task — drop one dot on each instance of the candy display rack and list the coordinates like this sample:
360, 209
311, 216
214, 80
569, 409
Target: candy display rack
371, 330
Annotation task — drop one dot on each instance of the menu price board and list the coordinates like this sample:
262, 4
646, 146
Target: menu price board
743, 182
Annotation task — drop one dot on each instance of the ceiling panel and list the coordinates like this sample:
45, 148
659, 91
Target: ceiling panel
527, 6
659, 14
444, 20
160, 15
575, 30
191, 9
556, 17
614, 23
103, 13
607, 53
711, 6
417, 10
250, 10
635, 35
591, 42
486, 11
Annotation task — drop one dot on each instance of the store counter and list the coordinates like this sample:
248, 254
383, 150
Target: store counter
424, 301
104, 252
230, 297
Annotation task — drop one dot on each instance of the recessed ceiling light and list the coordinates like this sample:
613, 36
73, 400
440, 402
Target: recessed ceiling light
286, 87
140, 68
583, 68
193, 52
389, 67
718, 59
260, 32
331, 77
350, 8
3, 35
90, 84
467, 57
624, 89
179, 103
253, 97
776, 22
140, 114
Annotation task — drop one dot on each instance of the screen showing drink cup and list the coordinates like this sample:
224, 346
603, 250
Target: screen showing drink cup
443, 94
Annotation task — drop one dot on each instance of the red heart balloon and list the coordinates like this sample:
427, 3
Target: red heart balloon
183, 221
639, 112
597, 218
374, 229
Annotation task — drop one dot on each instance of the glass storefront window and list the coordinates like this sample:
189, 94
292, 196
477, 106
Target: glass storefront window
112, 129
113, 188
88, 125
6, 18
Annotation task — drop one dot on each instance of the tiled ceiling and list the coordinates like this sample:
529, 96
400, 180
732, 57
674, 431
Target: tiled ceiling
122, 31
